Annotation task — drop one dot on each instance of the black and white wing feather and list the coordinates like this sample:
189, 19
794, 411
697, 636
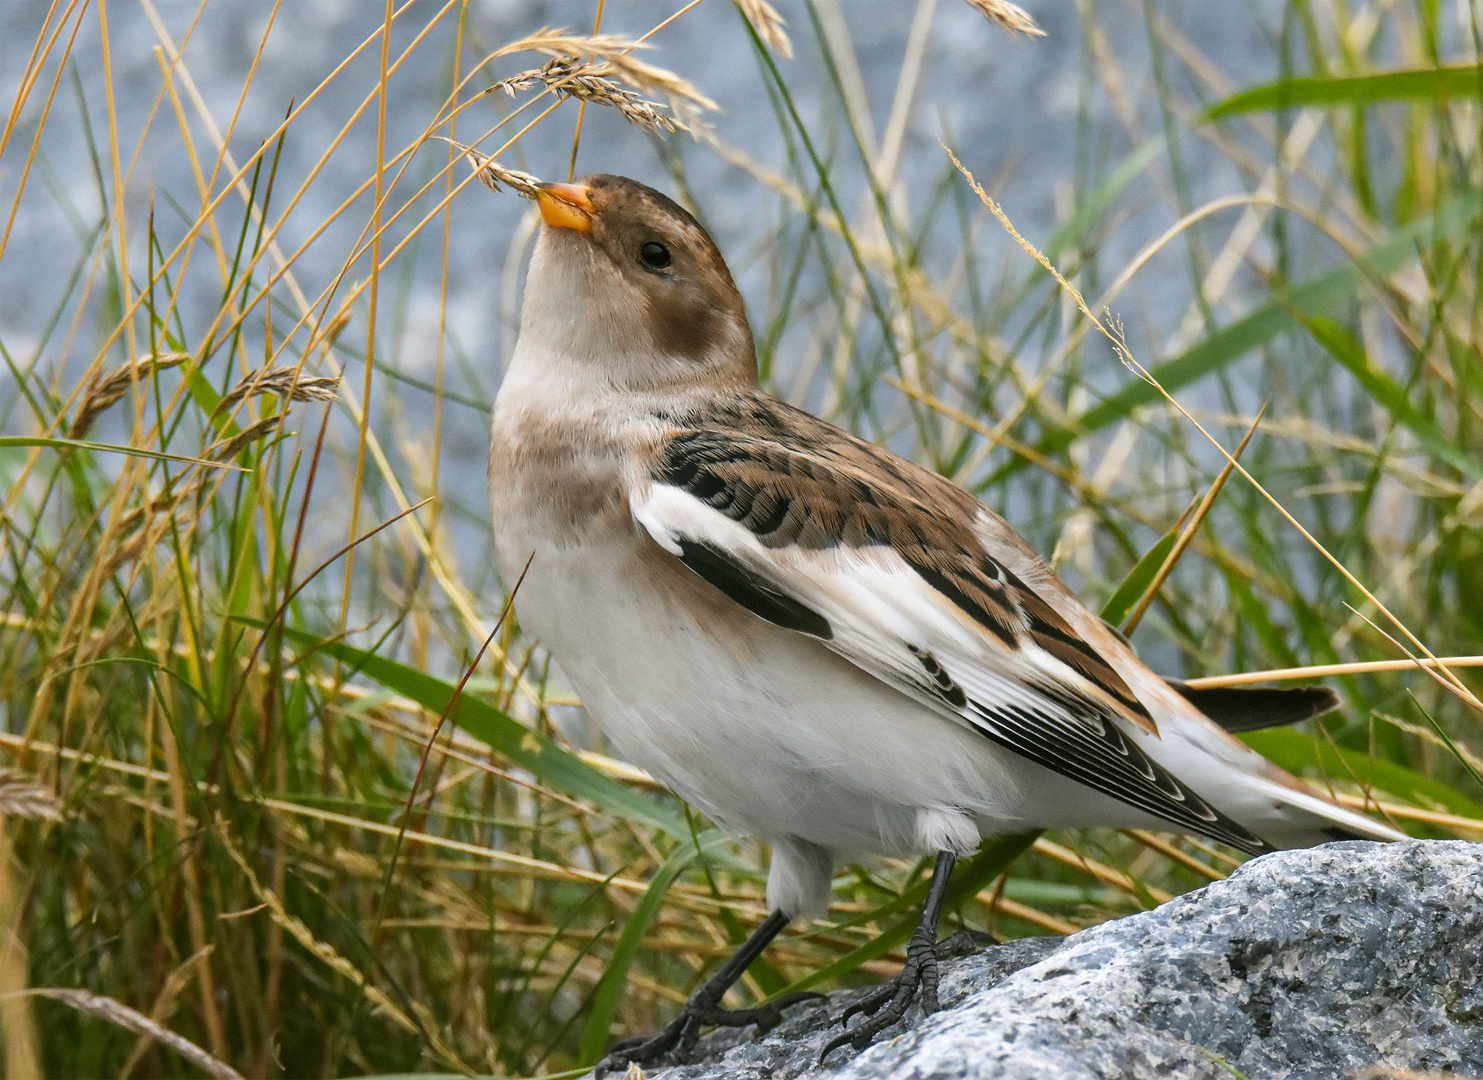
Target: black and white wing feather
826, 535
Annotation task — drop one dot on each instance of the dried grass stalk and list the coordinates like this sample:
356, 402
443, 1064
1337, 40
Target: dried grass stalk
284, 382
588, 82
493, 174
164, 1006
145, 526
338, 323
226, 449
1011, 17
116, 1012
104, 391
22, 796
768, 24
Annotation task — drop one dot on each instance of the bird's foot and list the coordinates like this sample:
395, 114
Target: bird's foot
888, 1002
673, 1043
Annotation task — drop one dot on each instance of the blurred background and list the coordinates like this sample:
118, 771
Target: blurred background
234, 808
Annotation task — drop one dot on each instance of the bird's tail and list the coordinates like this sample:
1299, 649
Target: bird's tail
1287, 815
1249, 789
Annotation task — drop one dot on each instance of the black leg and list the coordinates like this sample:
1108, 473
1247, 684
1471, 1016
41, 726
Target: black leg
917, 979
704, 1008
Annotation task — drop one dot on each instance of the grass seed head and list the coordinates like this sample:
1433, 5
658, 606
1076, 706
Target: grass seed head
22, 796
571, 77
769, 26
226, 449
284, 382
493, 174
107, 391
1012, 17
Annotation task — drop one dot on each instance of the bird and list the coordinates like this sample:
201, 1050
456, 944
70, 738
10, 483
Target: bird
807, 637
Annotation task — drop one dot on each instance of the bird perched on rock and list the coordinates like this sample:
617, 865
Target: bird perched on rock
805, 636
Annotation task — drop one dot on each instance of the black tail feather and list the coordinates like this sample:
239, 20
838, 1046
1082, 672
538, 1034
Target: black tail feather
1246, 708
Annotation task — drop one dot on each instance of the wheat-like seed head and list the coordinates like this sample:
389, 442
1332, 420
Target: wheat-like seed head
493, 174
226, 449
105, 391
22, 796
282, 381
585, 81
769, 26
686, 102
1012, 17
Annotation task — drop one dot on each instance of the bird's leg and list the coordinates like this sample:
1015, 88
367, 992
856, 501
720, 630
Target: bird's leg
918, 977
704, 1008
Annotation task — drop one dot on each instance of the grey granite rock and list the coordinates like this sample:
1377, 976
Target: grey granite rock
1303, 965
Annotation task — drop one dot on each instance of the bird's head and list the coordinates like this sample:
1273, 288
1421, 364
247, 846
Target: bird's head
625, 280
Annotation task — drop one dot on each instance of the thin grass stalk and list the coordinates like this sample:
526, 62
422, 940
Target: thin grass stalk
17, 1025
375, 284
1182, 544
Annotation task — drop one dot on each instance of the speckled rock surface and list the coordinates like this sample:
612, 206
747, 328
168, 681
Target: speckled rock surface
1304, 965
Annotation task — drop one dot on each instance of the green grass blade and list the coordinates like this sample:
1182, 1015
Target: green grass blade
110, 448
1418, 84
1138, 580
1442, 734
549, 762
1388, 393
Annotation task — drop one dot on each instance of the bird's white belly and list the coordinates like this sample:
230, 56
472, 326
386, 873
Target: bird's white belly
765, 730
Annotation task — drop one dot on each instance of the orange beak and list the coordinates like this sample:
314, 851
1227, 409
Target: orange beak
566, 206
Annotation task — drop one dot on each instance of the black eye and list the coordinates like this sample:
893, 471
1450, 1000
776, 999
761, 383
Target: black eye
654, 256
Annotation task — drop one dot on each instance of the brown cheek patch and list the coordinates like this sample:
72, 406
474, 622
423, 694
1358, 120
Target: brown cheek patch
684, 324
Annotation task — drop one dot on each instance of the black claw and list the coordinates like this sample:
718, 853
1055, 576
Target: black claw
889, 1002
676, 1039
868, 1004
834, 1044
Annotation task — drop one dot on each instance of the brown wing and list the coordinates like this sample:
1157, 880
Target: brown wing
794, 480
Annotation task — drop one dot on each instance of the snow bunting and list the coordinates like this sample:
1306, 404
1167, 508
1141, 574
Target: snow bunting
805, 636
